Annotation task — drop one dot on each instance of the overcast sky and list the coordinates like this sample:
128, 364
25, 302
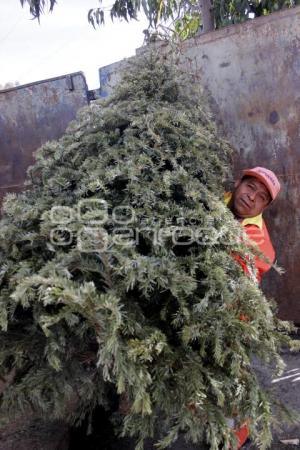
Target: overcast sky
63, 42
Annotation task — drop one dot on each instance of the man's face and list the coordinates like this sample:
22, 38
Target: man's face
250, 198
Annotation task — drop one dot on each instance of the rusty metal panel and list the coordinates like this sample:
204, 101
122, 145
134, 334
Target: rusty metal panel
30, 115
252, 71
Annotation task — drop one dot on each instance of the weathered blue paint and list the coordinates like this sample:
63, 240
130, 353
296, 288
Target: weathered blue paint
110, 75
104, 76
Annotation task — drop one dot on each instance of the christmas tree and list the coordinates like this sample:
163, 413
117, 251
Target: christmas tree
117, 274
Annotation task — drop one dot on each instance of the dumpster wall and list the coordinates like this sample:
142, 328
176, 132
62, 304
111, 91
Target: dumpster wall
252, 71
30, 115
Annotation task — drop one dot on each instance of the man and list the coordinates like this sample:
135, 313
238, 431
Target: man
257, 189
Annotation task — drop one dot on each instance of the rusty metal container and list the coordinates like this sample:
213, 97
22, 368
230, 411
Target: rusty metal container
30, 115
252, 71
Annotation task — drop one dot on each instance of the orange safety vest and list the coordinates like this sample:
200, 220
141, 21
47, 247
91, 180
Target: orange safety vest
257, 232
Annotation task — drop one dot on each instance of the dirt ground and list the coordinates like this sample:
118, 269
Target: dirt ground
287, 390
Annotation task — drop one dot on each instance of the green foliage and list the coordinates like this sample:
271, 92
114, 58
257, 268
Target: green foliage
187, 26
99, 299
236, 11
174, 19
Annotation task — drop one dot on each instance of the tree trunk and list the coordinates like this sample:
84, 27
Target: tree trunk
205, 7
